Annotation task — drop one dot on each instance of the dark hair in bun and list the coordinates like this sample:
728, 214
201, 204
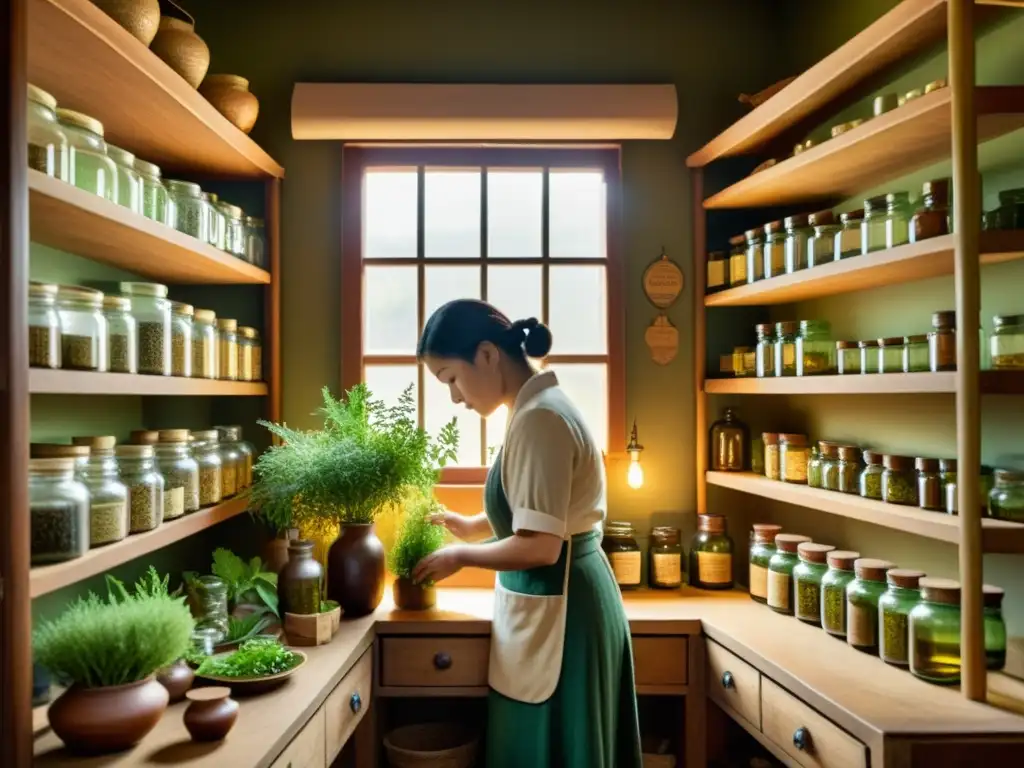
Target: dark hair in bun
459, 327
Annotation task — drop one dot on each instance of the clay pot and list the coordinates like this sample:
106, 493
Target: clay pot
275, 553
229, 95
413, 597
211, 713
140, 17
99, 720
355, 570
177, 679
178, 45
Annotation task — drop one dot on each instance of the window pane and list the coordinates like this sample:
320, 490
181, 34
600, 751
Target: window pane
496, 433
452, 214
438, 410
516, 291
443, 284
389, 214
578, 310
388, 382
577, 226
587, 385
515, 202
389, 311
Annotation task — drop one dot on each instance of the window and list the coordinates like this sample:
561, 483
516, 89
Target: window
531, 230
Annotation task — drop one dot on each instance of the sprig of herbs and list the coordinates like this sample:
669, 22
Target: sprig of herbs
259, 657
417, 536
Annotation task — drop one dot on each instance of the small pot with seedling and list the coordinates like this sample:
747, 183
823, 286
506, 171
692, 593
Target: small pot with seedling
417, 538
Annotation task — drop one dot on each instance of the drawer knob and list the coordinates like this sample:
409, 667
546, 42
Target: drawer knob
355, 703
727, 681
802, 739
442, 660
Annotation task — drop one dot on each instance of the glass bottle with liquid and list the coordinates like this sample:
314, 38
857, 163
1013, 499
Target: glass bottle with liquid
935, 632
729, 443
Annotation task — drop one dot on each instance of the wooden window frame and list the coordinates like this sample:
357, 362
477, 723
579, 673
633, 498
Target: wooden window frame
357, 158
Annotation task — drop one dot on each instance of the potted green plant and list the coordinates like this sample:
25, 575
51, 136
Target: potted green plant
366, 458
107, 651
417, 538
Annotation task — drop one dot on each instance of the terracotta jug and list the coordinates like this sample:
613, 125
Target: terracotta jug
229, 95
140, 17
99, 720
211, 713
355, 570
178, 45
177, 679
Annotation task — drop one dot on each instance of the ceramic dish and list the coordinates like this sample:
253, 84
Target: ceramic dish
253, 685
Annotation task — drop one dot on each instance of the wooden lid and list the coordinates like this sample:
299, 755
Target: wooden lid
101, 443
870, 569
788, 542
42, 290
174, 436
155, 290
205, 316
992, 595
772, 226
753, 234
738, 240
945, 591
813, 552
39, 96
947, 465
795, 221
765, 533
891, 341
872, 457
227, 323
849, 452
208, 693
787, 327
770, 438
899, 463
827, 449
842, 559
251, 333
79, 120
711, 523
792, 438
205, 435
144, 437
922, 464
58, 451
904, 577
81, 294
821, 218
119, 303
51, 466
186, 310
917, 338
867, 343
846, 345
944, 319
129, 451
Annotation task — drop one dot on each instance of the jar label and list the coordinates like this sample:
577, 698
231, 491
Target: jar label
788, 355
771, 462
861, 625
714, 568
668, 569
174, 503
626, 566
759, 581
778, 590
716, 273
794, 465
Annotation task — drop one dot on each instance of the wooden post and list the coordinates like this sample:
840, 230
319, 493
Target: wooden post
699, 336
966, 226
272, 364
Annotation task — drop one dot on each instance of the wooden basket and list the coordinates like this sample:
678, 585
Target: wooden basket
432, 745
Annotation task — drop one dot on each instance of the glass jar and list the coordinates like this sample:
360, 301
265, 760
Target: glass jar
873, 225
774, 249
780, 571
58, 511
665, 558
932, 218
994, 627
862, 595
257, 357
43, 326
729, 443
848, 469
234, 229
192, 212
793, 456
743, 360
255, 242
717, 277
764, 352
899, 482
206, 451
247, 344
181, 473
300, 582
1010, 213
935, 632
737, 260
204, 345
216, 222
619, 544
833, 591
942, 342
108, 505
757, 455
868, 356
755, 255
829, 465
1007, 343
848, 237
227, 348
815, 349
785, 348
929, 485
145, 484
947, 474
232, 436
208, 601
48, 150
807, 575
847, 357
711, 554
890, 354
771, 455
122, 334
1006, 500
821, 245
814, 468
898, 212
181, 339
762, 547
152, 312
871, 476
915, 354
156, 201
798, 233
89, 168
83, 339
129, 182
204, 641
894, 607
232, 460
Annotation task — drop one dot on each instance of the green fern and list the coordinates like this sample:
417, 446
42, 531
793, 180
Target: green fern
417, 536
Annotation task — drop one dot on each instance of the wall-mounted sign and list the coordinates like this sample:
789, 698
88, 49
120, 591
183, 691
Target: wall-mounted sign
662, 339
663, 282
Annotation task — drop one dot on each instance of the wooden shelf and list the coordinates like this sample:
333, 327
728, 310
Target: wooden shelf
992, 383
901, 141
998, 536
44, 381
89, 63
907, 263
48, 578
71, 219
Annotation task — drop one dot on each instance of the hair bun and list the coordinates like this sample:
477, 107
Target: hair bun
536, 336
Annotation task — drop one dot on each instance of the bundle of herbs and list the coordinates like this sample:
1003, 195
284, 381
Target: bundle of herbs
259, 657
417, 536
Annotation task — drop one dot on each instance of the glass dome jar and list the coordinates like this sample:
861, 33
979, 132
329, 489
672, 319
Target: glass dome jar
935, 632
43, 326
227, 348
232, 460
181, 339
665, 558
833, 591
798, 232
122, 334
90, 168
821, 245
152, 312
58, 511
216, 223
192, 212
1006, 499
780, 571
785, 348
255, 242
246, 353
774, 249
108, 506
83, 340
868, 356
48, 150
234, 229
994, 627
755, 255
232, 436
848, 469
181, 473
894, 606
208, 601
807, 576
711, 554
933, 218
1006, 345
204, 345
156, 201
815, 349
145, 484
129, 182
206, 451
862, 595
871, 476
764, 352
762, 548
848, 238
619, 544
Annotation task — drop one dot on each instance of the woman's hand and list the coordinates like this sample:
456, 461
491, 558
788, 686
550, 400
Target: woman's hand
461, 527
439, 565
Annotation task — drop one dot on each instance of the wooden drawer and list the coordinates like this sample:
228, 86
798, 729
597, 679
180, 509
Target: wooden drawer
434, 661
347, 704
660, 661
805, 735
733, 683
308, 748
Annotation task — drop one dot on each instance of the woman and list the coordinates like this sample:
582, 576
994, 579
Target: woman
561, 666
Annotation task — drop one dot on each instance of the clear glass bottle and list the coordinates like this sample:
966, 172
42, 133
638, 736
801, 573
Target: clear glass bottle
873, 225
862, 595
814, 468
833, 591
807, 576
205, 345
737, 260
181, 339
152, 312
762, 547
90, 168
774, 249
935, 632
619, 544
232, 460
755, 255
234, 229
796, 245
1007, 343
255, 242
785, 348
181, 473
848, 237
58, 511
848, 469
232, 436
780, 572
247, 343
890, 354
894, 608
108, 506
227, 348
815, 349
947, 473
83, 340
137, 464
771, 455
932, 218
711, 554
156, 201
829, 465
942, 342
899, 481
898, 212
847, 357
821, 245
665, 558
994, 627
1006, 499
43, 326
206, 451
129, 182
729, 443
929, 485
764, 352
48, 149
192, 212
915, 354
122, 334
793, 456
208, 601
217, 223
868, 356
871, 476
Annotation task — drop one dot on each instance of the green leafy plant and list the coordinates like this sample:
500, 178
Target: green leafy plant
248, 626
364, 459
417, 536
247, 582
122, 639
258, 657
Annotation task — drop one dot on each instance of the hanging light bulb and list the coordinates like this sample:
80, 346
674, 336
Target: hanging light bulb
635, 473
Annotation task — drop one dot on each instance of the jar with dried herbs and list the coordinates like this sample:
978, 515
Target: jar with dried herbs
780, 571
729, 442
935, 632
821, 245
206, 451
764, 352
232, 466
145, 484
793, 456
1007, 343
848, 469
898, 212
90, 168
619, 544
899, 480
848, 238
829, 453
915, 354
217, 224
771, 455
129, 182
181, 473
798, 233
43, 326
994, 627
871, 475
255, 241
873, 225
868, 356
929, 484
181, 339
711, 554
716, 274
737, 260
83, 339
785, 348
58, 511
109, 518
894, 607
48, 150
815, 349
862, 595
156, 201
257, 357
833, 591
122, 334
246, 349
665, 558
762, 548
227, 354
932, 218
204, 345
1006, 500
755, 255
814, 478
192, 212
152, 312
807, 576
774, 249
942, 342
234, 229
208, 601
231, 437
847, 357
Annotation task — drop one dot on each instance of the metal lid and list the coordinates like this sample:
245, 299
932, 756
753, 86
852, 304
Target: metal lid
904, 577
205, 316
870, 569
119, 303
79, 120
39, 96
842, 559
813, 552
227, 324
144, 289
97, 443
147, 168
129, 451
922, 464
58, 451
42, 290
788, 542
945, 591
50, 466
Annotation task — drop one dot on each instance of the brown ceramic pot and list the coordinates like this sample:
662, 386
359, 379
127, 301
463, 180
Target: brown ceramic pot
99, 720
177, 679
413, 597
178, 45
275, 553
211, 713
140, 17
229, 95
299, 582
355, 570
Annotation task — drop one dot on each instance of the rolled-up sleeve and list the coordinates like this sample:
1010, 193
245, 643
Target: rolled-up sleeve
537, 471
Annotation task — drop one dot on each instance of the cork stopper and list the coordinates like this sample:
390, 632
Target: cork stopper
842, 559
891, 341
814, 553
898, 463
788, 542
205, 435
872, 457
711, 523
849, 453
770, 438
926, 465
992, 596
793, 438
870, 569
135, 451
144, 437
946, 591
765, 533
58, 451
828, 450
947, 465
904, 578
50, 466
174, 436
102, 443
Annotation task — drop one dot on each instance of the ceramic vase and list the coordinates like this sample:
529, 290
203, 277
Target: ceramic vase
140, 17
110, 719
177, 679
211, 713
229, 95
413, 597
355, 570
178, 45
